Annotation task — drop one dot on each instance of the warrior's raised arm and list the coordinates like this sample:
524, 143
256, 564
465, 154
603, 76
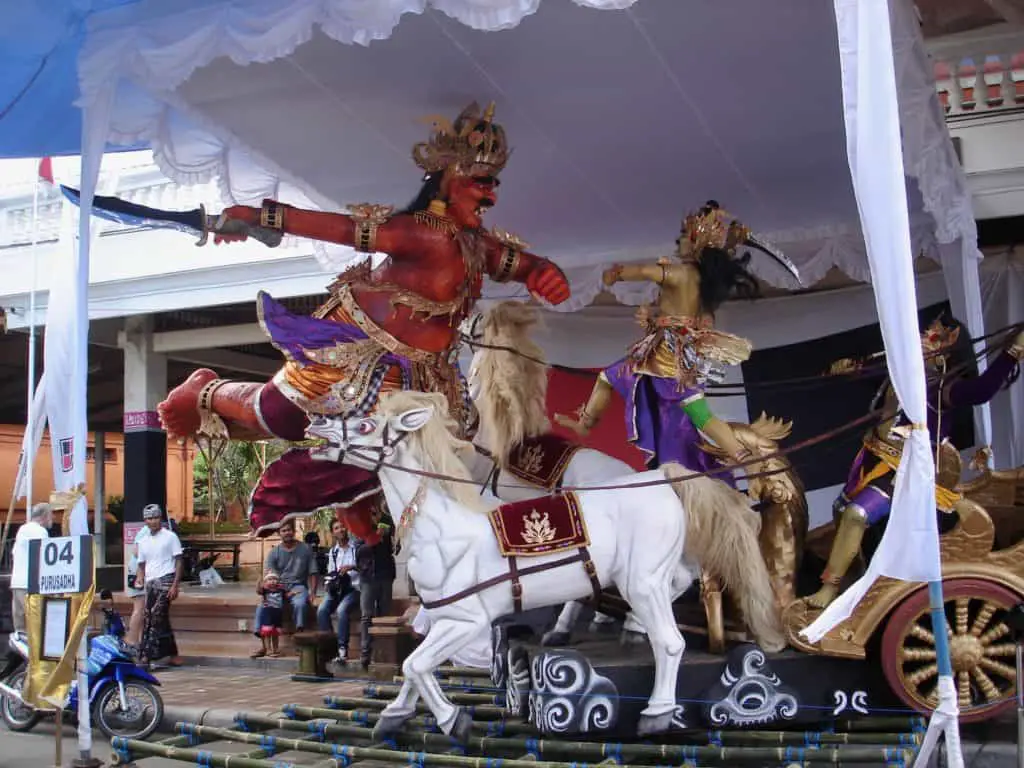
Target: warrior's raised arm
681, 350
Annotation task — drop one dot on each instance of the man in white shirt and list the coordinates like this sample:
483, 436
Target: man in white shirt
342, 587
160, 570
40, 518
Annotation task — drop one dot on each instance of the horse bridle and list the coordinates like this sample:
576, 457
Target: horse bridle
378, 453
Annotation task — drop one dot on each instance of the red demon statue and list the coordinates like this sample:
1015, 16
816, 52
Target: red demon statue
395, 326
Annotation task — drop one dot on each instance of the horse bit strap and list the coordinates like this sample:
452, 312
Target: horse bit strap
515, 573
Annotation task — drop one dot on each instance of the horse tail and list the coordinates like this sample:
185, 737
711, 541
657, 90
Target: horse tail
722, 536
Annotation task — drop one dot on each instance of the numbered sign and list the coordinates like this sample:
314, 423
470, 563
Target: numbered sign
60, 566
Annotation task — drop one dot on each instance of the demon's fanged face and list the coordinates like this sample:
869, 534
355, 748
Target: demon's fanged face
469, 197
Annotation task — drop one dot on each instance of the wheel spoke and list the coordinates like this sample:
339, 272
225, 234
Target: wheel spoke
916, 630
963, 681
924, 673
997, 667
998, 632
918, 654
983, 618
960, 620
985, 683
1001, 649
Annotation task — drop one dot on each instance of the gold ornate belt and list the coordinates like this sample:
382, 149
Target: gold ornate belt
890, 456
379, 335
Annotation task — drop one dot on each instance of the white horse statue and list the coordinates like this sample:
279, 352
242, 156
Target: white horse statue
508, 382
459, 570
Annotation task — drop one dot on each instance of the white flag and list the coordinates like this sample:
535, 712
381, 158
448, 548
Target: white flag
30, 441
65, 361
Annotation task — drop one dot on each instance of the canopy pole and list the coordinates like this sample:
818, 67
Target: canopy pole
29, 410
909, 549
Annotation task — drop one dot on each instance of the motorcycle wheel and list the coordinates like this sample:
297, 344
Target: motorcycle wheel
18, 716
145, 710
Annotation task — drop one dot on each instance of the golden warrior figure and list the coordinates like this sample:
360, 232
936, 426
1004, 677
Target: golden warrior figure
662, 378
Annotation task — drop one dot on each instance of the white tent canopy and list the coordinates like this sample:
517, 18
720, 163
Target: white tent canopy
619, 121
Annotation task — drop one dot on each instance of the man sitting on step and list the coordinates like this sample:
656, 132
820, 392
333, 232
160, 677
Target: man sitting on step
295, 563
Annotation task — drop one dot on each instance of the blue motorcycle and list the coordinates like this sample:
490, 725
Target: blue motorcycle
123, 696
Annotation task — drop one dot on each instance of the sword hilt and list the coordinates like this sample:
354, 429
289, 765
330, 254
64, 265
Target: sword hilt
222, 225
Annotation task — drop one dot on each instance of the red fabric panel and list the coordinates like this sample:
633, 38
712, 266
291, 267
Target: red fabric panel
567, 392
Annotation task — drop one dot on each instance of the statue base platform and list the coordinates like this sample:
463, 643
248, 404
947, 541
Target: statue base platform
600, 686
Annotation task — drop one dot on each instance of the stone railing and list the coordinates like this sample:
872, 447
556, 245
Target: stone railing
980, 71
16, 222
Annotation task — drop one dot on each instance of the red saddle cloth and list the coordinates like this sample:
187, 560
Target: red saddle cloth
541, 460
539, 526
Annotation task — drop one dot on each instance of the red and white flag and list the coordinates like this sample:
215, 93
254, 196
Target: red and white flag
46, 170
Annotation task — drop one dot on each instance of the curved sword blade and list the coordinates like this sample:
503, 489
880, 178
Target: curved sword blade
782, 259
132, 215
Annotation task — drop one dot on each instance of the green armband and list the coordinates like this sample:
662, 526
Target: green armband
698, 411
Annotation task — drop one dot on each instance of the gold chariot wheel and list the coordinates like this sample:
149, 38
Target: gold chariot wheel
981, 649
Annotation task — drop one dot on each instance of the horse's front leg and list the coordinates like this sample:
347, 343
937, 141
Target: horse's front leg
401, 709
561, 633
446, 637
653, 606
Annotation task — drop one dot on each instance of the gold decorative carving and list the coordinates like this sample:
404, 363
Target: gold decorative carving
537, 528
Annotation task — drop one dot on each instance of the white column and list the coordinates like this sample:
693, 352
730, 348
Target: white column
145, 371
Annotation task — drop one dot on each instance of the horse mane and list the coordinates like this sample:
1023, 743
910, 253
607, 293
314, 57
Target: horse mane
435, 443
513, 389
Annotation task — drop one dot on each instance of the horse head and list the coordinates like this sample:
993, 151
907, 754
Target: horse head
363, 441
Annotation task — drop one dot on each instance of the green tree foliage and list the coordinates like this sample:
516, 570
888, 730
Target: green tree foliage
236, 470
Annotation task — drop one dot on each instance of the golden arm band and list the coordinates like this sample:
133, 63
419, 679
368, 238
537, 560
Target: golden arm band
272, 215
366, 236
508, 265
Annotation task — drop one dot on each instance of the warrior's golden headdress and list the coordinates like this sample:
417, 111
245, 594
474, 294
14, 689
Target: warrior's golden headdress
712, 227
473, 145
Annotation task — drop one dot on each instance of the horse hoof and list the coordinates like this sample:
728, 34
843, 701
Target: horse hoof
629, 637
388, 725
554, 638
650, 724
462, 727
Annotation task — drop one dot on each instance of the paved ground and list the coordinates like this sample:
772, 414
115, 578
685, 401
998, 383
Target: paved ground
219, 692
245, 689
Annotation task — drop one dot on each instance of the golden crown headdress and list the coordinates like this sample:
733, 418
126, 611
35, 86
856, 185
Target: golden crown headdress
713, 227
473, 145
938, 336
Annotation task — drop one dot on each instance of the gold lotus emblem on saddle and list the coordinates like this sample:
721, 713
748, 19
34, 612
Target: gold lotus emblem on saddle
531, 459
537, 528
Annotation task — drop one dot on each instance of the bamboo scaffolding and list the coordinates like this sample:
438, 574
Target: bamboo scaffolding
477, 711
127, 751
478, 684
725, 738
499, 726
466, 671
380, 692
576, 751
877, 730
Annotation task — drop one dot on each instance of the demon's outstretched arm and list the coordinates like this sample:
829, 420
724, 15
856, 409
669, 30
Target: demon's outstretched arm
508, 261
365, 227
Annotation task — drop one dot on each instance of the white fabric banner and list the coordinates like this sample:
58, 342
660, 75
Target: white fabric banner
65, 367
909, 549
31, 439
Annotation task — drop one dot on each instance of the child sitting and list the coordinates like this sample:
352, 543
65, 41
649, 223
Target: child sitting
273, 593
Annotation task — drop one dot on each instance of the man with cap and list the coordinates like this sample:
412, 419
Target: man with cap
159, 571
